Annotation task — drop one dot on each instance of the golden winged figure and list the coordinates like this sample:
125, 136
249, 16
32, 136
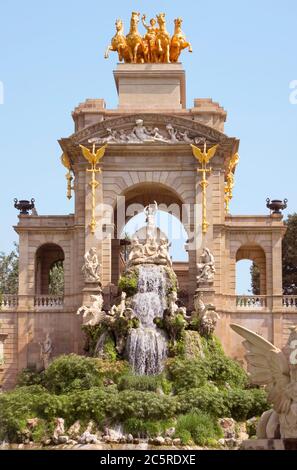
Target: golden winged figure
93, 157
204, 157
65, 160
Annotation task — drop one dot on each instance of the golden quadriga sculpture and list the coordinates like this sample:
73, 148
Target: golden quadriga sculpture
155, 46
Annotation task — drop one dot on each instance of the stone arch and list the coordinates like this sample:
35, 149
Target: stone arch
254, 252
141, 194
45, 257
182, 186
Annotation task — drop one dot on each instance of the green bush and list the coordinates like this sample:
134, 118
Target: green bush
24, 403
144, 429
244, 404
208, 399
109, 349
144, 405
29, 377
221, 370
88, 405
186, 374
201, 428
143, 383
72, 372
68, 373
128, 283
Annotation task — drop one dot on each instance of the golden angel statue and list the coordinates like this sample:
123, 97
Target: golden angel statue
277, 370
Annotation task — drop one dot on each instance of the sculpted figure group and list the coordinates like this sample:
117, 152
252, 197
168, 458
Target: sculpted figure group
155, 46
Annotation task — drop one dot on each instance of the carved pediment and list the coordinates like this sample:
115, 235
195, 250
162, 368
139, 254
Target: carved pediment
148, 128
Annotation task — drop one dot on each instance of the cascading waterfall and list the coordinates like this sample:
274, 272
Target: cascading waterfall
147, 345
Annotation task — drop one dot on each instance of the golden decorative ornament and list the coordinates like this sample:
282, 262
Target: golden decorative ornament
156, 46
230, 181
204, 158
65, 160
93, 158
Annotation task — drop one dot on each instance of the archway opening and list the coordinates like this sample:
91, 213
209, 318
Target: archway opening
169, 220
49, 270
251, 270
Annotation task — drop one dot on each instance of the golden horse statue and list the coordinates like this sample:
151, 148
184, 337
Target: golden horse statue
178, 41
157, 45
119, 43
163, 40
137, 47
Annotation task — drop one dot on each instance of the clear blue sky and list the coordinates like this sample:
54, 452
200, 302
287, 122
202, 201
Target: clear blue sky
51, 59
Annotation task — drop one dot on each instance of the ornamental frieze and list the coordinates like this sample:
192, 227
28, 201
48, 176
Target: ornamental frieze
150, 128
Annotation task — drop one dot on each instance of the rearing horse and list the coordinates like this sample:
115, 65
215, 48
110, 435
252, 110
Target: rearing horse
163, 40
178, 41
119, 43
137, 49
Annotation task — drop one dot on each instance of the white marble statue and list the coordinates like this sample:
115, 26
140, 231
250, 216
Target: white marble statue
277, 370
150, 213
121, 310
152, 251
206, 313
94, 314
163, 251
206, 267
46, 349
91, 266
173, 307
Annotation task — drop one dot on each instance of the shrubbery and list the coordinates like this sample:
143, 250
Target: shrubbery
143, 383
145, 428
200, 428
186, 374
193, 393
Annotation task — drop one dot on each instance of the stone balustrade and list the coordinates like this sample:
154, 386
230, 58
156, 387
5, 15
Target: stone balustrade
48, 301
251, 302
290, 301
8, 301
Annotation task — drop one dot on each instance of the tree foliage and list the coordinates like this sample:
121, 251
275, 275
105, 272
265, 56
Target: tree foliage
56, 279
290, 256
255, 279
9, 271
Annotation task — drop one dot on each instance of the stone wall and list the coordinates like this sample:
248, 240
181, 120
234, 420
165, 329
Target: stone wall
24, 332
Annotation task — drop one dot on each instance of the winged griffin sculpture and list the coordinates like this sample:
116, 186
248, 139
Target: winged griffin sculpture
277, 370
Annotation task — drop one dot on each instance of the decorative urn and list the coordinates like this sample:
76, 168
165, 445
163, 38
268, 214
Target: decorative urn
24, 206
276, 205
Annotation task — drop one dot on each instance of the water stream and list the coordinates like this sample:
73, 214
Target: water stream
147, 345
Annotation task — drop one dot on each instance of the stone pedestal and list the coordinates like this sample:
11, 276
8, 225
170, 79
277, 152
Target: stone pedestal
91, 288
150, 86
208, 292
269, 444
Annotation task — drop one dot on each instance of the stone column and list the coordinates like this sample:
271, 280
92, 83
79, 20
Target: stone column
276, 253
26, 284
